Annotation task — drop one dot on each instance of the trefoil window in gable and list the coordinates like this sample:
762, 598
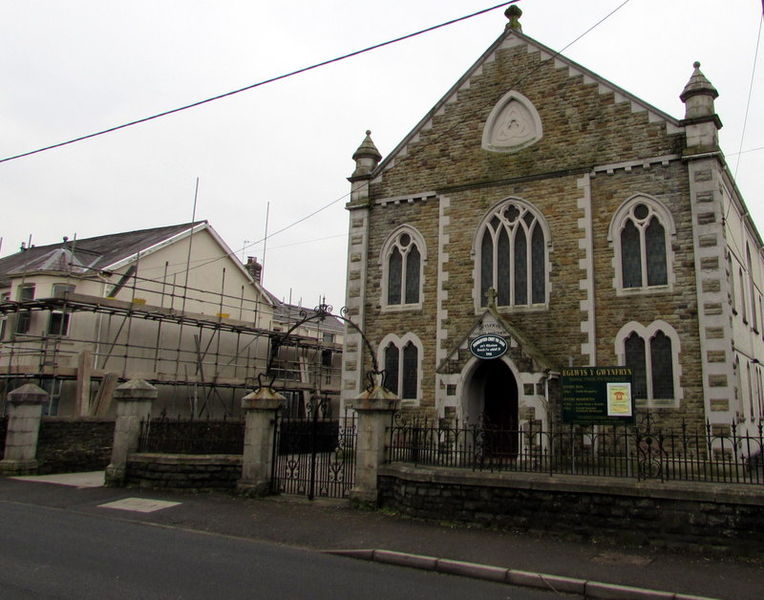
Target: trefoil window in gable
512, 125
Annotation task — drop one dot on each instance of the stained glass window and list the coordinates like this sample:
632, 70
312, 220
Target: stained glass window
513, 257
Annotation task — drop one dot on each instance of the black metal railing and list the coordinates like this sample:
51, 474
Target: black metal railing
709, 454
192, 436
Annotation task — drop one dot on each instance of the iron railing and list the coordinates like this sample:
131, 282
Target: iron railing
192, 436
315, 456
709, 454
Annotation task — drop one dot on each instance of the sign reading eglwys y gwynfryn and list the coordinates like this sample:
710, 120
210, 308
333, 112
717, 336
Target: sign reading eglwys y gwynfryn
597, 395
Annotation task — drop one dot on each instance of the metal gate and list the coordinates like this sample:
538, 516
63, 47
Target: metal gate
314, 455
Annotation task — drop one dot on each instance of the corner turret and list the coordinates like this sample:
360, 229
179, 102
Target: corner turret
366, 158
701, 122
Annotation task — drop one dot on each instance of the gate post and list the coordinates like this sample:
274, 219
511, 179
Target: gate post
134, 400
24, 415
375, 409
260, 408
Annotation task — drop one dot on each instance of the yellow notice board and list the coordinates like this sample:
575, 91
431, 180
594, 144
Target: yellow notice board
619, 400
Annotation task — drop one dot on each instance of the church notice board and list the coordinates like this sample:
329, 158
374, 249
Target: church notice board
597, 395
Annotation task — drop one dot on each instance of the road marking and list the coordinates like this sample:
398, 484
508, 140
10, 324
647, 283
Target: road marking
143, 505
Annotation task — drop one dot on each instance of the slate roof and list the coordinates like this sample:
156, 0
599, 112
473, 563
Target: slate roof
86, 254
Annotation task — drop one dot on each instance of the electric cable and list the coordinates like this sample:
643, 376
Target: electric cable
254, 85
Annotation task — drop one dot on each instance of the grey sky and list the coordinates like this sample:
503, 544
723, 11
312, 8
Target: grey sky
71, 68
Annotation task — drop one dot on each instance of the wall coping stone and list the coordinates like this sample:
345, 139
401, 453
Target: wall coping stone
651, 488
183, 459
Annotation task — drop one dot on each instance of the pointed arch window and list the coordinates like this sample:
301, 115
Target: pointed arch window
401, 360
512, 258
641, 233
652, 354
402, 269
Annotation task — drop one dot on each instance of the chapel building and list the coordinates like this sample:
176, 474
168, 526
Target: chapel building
542, 204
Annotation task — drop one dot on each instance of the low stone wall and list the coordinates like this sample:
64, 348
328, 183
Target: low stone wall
706, 517
184, 471
71, 444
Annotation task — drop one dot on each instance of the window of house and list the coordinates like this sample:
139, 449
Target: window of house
403, 258
400, 360
641, 233
652, 354
512, 256
58, 323
25, 293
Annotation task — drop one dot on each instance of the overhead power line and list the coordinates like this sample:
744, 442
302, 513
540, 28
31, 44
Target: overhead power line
514, 85
254, 85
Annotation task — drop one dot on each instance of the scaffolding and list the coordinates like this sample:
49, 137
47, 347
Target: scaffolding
179, 338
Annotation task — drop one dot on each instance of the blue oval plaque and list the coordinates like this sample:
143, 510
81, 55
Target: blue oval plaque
488, 346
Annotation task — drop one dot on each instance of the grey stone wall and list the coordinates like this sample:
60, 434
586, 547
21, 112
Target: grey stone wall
72, 444
709, 518
187, 472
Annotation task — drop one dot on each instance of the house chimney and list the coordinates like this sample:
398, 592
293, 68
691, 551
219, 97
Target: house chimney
254, 268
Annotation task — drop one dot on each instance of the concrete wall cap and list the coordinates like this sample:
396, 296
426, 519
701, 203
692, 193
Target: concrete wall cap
263, 398
29, 393
135, 388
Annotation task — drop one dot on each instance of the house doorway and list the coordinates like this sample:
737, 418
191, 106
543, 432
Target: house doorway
493, 398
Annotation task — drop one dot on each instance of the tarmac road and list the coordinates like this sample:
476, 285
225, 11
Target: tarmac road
323, 525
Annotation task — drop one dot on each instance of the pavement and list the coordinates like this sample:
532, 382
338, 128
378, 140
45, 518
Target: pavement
596, 569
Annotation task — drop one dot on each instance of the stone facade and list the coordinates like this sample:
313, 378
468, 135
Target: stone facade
581, 160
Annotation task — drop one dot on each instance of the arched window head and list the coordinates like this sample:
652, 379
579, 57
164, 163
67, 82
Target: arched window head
652, 353
402, 269
512, 256
641, 234
401, 358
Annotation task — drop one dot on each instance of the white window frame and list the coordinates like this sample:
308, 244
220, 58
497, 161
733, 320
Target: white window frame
478, 258
647, 333
66, 316
618, 222
384, 264
400, 342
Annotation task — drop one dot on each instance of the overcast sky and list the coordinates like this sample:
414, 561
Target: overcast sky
75, 67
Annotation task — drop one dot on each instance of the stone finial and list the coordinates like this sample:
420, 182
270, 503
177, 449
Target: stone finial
513, 13
366, 158
491, 297
698, 95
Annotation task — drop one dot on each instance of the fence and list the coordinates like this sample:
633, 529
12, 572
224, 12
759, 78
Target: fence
184, 436
641, 452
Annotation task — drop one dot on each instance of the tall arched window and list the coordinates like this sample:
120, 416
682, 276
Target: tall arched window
512, 256
652, 353
402, 258
641, 233
401, 359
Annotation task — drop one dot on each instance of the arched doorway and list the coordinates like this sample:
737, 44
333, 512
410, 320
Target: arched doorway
492, 397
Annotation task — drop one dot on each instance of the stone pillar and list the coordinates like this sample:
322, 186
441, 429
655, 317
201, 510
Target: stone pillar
24, 415
260, 409
375, 409
134, 400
